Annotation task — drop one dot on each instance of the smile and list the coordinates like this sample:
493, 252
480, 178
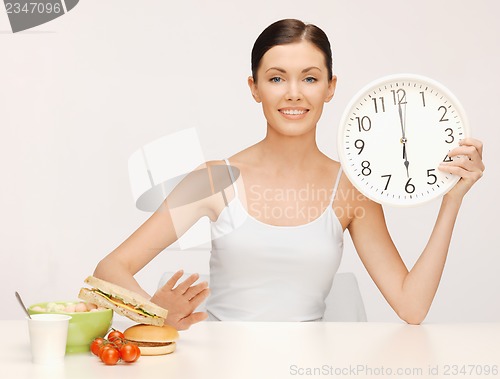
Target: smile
293, 112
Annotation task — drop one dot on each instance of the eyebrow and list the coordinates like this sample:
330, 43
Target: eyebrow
284, 71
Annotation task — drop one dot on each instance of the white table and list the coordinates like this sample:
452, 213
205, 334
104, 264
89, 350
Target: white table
240, 350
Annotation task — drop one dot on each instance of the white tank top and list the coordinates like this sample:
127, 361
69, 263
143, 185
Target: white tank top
262, 272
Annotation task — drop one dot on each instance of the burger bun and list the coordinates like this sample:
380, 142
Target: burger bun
153, 340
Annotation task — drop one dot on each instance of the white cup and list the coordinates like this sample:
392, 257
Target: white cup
48, 335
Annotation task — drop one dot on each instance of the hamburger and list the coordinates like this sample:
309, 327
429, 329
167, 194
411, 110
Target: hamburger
153, 340
123, 301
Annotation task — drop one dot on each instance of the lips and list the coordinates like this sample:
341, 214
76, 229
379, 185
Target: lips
293, 113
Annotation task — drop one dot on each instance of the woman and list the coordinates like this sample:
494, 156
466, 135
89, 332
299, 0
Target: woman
275, 250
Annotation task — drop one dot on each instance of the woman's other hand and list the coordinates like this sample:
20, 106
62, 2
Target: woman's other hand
469, 166
182, 300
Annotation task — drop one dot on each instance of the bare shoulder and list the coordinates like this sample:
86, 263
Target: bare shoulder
199, 190
217, 162
328, 164
245, 158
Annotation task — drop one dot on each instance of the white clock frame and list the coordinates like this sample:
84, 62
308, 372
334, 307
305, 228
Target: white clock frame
382, 123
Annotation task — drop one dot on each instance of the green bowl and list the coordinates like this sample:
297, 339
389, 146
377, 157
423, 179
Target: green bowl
83, 328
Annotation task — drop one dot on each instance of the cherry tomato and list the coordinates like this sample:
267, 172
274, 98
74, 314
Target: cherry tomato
109, 355
118, 343
138, 350
105, 345
96, 345
115, 335
130, 352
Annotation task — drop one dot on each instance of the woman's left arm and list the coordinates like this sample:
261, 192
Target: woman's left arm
411, 293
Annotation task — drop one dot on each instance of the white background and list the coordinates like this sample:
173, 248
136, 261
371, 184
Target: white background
80, 94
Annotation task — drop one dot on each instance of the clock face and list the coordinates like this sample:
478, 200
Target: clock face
393, 135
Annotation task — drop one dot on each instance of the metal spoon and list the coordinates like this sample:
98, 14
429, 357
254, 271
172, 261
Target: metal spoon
22, 304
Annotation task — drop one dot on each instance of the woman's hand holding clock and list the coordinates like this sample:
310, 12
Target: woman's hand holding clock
467, 163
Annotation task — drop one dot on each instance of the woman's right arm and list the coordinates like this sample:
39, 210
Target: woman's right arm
163, 228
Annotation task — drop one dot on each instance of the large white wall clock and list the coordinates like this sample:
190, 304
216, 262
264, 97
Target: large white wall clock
393, 135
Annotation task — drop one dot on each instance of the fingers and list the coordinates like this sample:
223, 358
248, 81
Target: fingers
170, 284
186, 284
182, 287
195, 290
464, 167
473, 142
468, 161
182, 299
193, 318
466, 150
471, 148
461, 161
199, 298
194, 294
459, 171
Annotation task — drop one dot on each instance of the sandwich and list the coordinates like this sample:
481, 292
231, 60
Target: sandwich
123, 301
153, 340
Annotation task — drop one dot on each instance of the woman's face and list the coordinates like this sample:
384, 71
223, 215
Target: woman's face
292, 86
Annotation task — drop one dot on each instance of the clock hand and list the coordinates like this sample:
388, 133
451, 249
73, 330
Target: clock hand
401, 120
406, 160
403, 138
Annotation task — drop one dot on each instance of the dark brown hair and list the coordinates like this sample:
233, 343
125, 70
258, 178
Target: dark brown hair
289, 31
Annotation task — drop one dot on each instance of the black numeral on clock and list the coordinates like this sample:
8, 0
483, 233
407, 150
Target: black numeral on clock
423, 98
450, 135
375, 102
399, 96
366, 168
364, 123
388, 180
409, 188
360, 145
431, 175
444, 110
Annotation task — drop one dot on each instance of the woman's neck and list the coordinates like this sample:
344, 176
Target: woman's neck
289, 152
